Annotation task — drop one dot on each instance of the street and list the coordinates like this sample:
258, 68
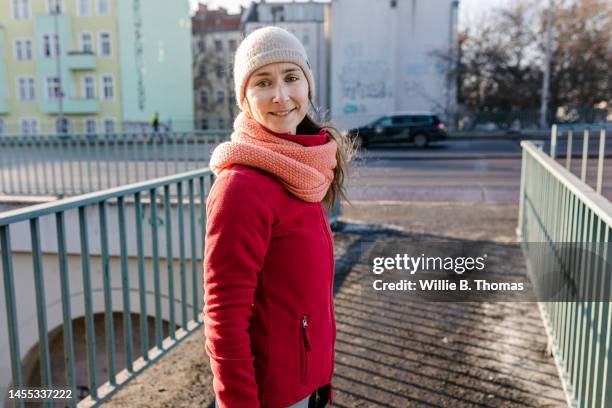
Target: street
457, 171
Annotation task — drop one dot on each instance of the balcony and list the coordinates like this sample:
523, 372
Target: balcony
81, 60
75, 106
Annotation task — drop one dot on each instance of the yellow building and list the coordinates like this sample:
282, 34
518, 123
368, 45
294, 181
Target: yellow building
65, 59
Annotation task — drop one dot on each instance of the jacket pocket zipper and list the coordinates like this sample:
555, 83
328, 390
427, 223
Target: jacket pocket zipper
307, 347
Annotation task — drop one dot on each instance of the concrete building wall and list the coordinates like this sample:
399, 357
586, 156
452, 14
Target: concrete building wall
214, 98
381, 57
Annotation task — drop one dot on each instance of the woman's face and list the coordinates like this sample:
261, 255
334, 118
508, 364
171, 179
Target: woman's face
277, 96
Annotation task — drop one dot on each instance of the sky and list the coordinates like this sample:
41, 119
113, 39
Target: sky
470, 11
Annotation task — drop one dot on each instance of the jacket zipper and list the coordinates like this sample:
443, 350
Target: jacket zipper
307, 347
331, 284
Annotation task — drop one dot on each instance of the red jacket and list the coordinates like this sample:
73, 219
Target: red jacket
268, 278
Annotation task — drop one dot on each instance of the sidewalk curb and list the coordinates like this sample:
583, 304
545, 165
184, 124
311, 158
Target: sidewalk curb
440, 157
462, 156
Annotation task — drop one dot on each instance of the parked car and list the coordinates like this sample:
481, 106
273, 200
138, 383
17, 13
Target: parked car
418, 128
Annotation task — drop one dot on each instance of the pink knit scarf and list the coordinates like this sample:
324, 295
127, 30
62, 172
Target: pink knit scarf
305, 172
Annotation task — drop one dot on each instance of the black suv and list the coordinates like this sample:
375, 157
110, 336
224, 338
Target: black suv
417, 128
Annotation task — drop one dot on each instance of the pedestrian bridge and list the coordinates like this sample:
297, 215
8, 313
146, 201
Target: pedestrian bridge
79, 272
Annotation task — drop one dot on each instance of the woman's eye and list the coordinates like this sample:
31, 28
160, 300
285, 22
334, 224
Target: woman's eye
293, 78
261, 84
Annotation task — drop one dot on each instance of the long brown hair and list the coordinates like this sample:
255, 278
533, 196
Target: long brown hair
346, 150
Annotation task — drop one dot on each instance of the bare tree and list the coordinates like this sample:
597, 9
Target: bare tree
582, 55
500, 60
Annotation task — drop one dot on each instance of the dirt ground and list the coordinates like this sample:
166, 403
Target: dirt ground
400, 353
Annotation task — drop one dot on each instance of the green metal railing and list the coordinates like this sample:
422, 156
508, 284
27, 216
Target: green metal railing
572, 136
564, 226
140, 243
78, 164
173, 203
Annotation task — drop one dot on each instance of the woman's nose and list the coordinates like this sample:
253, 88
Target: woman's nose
281, 93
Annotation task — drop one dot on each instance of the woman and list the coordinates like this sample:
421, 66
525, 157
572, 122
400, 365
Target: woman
268, 268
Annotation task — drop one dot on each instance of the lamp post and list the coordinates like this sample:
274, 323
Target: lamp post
452, 68
546, 76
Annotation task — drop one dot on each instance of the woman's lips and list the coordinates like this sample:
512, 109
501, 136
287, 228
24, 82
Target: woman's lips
282, 113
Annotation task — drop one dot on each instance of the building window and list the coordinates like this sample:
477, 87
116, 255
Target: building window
221, 123
203, 124
29, 126
219, 71
218, 45
86, 42
232, 45
54, 89
202, 71
204, 97
90, 126
26, 88
21, 9
220, 97
306, 39
201, 45
108, 91
89, 87
1, 126
51, 46
23, 49
55, 6
103, 7
105, 45
109, 126
84, 7
62, 126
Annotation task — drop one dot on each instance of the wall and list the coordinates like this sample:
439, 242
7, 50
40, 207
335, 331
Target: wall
381, 58
156, 61
3, 79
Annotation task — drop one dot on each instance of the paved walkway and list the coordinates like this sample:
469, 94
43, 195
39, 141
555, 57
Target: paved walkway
394, 353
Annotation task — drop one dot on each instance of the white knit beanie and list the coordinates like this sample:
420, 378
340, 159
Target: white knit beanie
265, 46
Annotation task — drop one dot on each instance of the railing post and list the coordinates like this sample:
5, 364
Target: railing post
66, 310
41, 306
585, 155
87, 292
553, 142
600, 162
125, 286
169, 259
181, 226
519, 228
142, 285
109, 329
194, 256
156, 283
568, 156
11, 309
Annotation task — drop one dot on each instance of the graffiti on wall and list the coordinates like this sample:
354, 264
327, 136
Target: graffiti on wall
365, 79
